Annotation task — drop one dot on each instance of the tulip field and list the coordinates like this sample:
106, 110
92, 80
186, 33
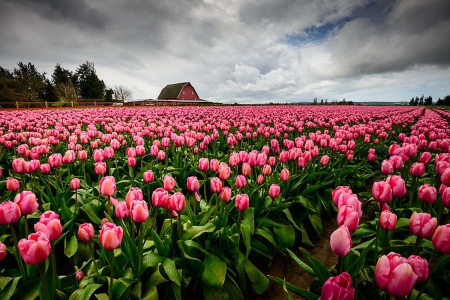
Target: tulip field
196, 202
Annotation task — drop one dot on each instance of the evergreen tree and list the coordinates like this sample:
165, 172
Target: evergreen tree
49, 93
29, 82
412, 101
428, 101
90, 86
7, 83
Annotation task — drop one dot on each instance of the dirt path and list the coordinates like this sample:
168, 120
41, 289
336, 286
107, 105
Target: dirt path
285, 267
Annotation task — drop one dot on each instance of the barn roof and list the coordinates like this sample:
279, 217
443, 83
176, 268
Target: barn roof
172, 90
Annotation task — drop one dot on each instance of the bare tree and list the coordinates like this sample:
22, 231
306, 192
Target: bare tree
122, 93
67, 92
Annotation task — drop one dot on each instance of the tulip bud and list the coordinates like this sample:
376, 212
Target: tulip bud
203, 164
139, 211
381, 191
35, 249
176, 203
100, 168
341, 241
427, 193
12, 184
422, 225
274, 191
168, 183
419, 266
241, 182
79, 275
160, 197
242, 202
9, 213
122, 210
214, 165
324, 160
337, 192
85, 232
338, 288
224, 172
398, 185
111, 236
75, 183
27, 202
225, 194
417, 169
148, 176
107, 186
441, 239
3, 251
216, 185
284, 175
260, 179
388, 220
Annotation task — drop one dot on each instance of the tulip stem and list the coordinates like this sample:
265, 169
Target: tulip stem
44, 282
16, 253
416, 245
179, 227
141, 250
111, 273
92, 247
436, 256
26, 225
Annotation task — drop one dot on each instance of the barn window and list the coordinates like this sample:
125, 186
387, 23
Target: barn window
183, 92
192, 93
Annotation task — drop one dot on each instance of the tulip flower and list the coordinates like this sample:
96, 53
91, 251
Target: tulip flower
9, 213
12, 184
203, 164
422, 225
284, 175
213, 165
396, 161
246, 169
381, 191
100, 168
242, 202
161, 155
134, 193
260, 179
267, 170
341, 241
427, 193
148, 176
347, 215
398, 185
107, 186
111, 236
176, 203
55, 160
388, 220
85, 232
216, 185
27, 202
386, 167
193, 185
69, 157
3, 251
139, 211
441, 239
49, 224
324, 160
419, 266
18, 165
445, 195
122, 210
241, 182
338, 288
224, 172
417, 169
45, 168
168, 183
75, 183
225, 194
445, 177
160, 197
394, 275
274, 191
425, 157
35, 249
79, 275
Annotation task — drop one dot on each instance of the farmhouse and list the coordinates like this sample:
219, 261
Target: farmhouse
182, 91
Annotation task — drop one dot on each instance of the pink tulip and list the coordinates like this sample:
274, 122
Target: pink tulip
284, 175
79, 275
100, 168
122, 210
419, 266
445, 177
347, 215
168, 183
69, 157
27, 202
107, 186
441, 239
9, 213
341, 241
422, 225
139, 211
396, 161
242, 202
161, 155
395, 275
176, 203
246, 169
425, 158
140, 150
35, 249
75, 183
445, 194
3, 251
160, 197
417, 169
134, 193
324, 160
427, 193
338, 288
214, 165
386, 167
397, 184
335, 194
260, 179
388, 220
18, 165
98, 155
45, 168
82, 155
203, 164
215, 185
55, 160
381, 191
193, 185
148, 176
225, 194
85, 232
12, 184
132, 161
111, 236
224, 172
50, 226
241, 182
274, 191
267, 170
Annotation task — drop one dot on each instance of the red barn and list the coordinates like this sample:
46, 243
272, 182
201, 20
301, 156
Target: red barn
179, 91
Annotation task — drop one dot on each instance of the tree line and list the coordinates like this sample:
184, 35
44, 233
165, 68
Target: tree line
26, 84
427, 101
332, 102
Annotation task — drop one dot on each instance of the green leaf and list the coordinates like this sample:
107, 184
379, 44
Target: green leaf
301, 263
315, 187
86, 293
287, 212
194, 244
305, 239
257, 278
245, 231
10, 288
159, 244
131, 250
215, 271
261, 248
285, 236
299, 291
28, 290
316, 222
121, 287
102, 296
71, 247
152, 260
249, 219
91, 212
354, 268
402, 223
171, 270
319, 269
196, 231
442, 262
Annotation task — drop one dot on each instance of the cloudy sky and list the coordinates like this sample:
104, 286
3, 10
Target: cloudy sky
246, 51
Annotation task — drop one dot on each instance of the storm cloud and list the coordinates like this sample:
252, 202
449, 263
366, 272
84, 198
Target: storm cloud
246, 51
